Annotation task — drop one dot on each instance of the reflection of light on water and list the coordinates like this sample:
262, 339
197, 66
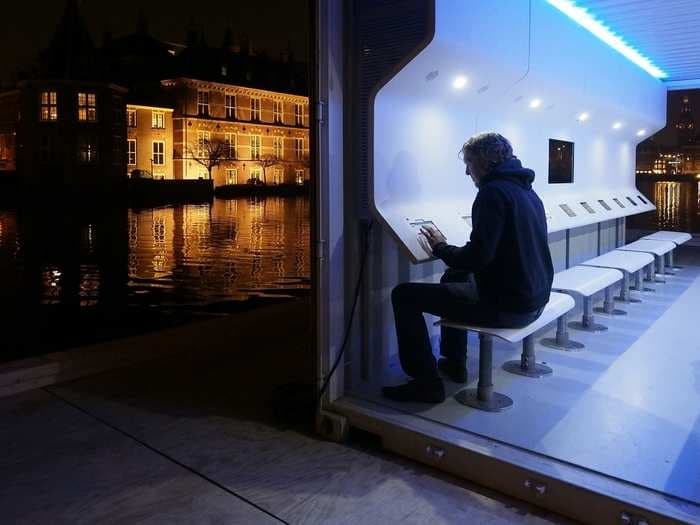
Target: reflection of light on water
667, 198
51, 280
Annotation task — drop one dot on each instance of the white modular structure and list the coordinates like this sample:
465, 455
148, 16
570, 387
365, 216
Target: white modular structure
401, 85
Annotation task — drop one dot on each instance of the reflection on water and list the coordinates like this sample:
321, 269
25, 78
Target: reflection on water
176, 255
677, 205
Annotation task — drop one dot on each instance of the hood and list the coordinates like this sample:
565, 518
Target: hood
512, 169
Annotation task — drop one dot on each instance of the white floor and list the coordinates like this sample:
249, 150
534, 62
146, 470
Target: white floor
627, 406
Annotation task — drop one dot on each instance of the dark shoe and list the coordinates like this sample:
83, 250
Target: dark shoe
455, 370
431, 391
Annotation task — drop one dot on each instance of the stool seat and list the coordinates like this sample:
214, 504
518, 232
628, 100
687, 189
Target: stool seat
677, 238
585, 280
658, 248
627, 261
558, 304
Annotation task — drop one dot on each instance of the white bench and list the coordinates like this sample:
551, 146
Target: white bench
483, 397
676, 238
585, 281
629, 263
658, 249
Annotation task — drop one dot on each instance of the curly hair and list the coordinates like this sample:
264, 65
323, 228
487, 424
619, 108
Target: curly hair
491, 148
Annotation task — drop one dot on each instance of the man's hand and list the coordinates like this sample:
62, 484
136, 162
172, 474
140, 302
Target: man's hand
429, 237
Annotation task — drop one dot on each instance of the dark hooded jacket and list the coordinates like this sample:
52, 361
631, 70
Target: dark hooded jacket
508, 250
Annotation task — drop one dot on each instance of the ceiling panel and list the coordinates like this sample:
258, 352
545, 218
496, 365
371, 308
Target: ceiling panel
665, 31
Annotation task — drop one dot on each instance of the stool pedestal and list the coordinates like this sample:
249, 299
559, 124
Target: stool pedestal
587, 323
483, 397
609, 305
561, 341
527, 366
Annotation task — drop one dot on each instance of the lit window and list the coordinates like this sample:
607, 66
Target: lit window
203, 138
299, 176
87, 150
49, 106
278, 147
255, 147
203, 103
277, 111
131, 118
131, 152
299, 114
230, 104
277, 176
87, 107
158, 153
254, 108
232, 176
299, 148
157, 120
231, 145
256, 173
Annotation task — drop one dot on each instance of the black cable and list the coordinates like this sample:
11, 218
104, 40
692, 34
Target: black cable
163, 454
358, 287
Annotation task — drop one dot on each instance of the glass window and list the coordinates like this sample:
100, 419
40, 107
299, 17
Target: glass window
131, 152
203, 103
87, 107
131, 118
231, 145
87, 150
299, 148
278, 147
299, 176
230, 105
203, 138
158, 153
255, 147
158, 120
49, 106
256, 173
254, 108
299, 114
277, 176
277, 111
232, 176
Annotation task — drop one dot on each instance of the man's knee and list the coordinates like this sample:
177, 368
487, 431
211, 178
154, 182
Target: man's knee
455, 276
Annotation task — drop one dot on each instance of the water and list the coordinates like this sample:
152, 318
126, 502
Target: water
83, 276
677, 205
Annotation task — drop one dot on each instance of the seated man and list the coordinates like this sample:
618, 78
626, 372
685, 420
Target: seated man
507, 256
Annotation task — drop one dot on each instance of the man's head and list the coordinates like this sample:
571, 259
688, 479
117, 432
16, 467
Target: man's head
483, 152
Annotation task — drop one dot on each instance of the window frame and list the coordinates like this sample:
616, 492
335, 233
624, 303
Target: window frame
129, 113
275, 142
157, 119
298, 114
231, 140
299, 151
155, 154
129, 152
87, 112
48, 105
258, 148
203, 105
255, 109
231, 110
278, 116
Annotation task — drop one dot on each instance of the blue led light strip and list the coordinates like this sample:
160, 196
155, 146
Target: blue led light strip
582, 17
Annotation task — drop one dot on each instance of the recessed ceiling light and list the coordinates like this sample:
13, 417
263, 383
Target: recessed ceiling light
617, 125
641, 132
583, 117
459, 82
535, 103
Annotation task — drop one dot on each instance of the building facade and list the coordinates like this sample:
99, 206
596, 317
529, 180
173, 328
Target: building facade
149, 141
264, 135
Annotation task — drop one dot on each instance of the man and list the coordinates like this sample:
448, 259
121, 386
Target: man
507, 256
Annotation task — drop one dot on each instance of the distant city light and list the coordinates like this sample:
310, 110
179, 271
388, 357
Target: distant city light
641, 132
583, 117
617, 125
535, 103
459, 82
585, 19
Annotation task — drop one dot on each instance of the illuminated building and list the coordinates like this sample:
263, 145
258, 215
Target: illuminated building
266, 133
149, 143
66, 125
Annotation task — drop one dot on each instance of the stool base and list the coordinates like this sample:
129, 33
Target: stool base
591, 327
535, 370
497, 403
570, 346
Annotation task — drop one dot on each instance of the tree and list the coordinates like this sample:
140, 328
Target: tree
210, 153
267, 161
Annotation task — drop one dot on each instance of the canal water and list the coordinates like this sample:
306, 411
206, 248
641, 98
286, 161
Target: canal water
677, 205
72, 277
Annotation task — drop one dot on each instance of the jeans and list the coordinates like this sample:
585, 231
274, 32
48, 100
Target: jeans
455, 298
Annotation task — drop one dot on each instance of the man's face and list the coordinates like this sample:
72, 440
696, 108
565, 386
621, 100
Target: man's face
472, 170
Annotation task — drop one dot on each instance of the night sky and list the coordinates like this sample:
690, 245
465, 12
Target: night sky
26, 26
